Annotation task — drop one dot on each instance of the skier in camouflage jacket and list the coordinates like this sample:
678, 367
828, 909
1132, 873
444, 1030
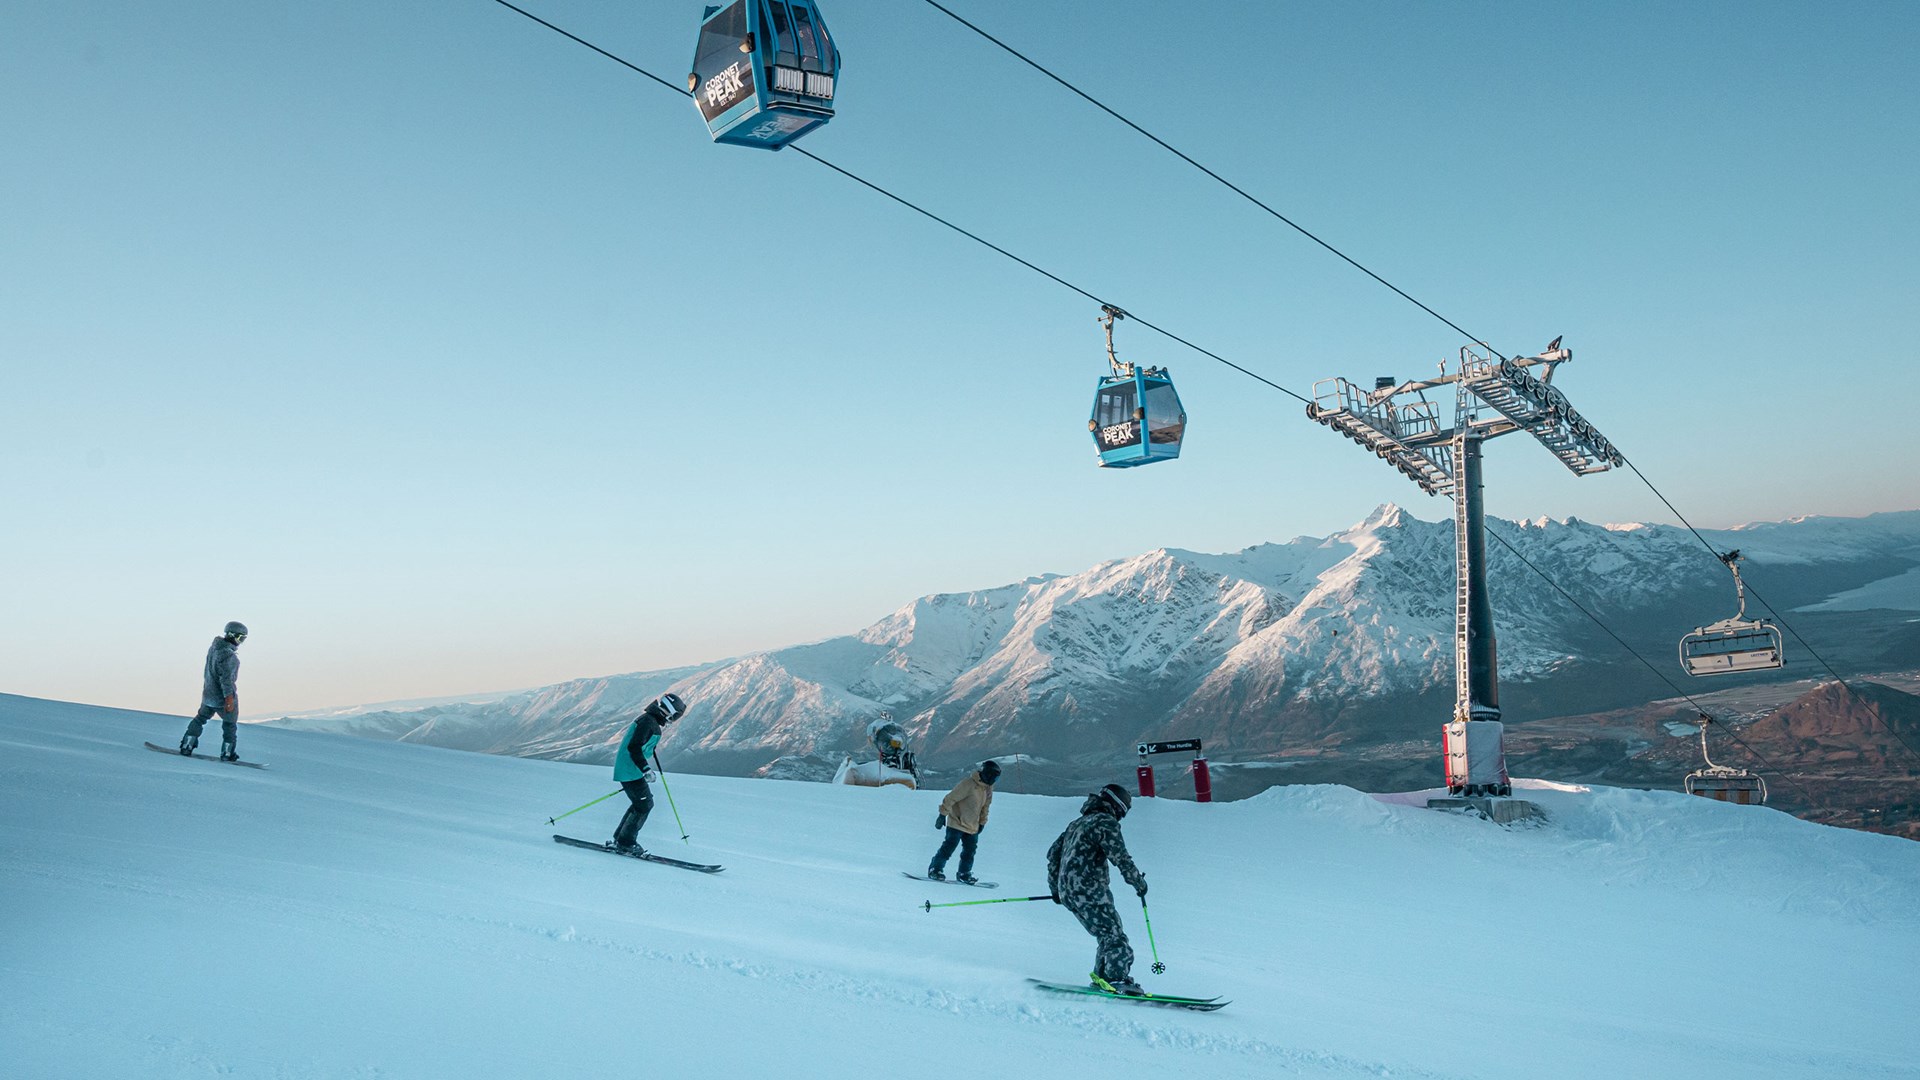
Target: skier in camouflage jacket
1077, 874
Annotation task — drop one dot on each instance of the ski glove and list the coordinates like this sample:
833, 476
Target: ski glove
1141, 888
940, 822
646, 775
228, 704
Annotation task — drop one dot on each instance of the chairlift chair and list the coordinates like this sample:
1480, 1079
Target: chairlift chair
1137, 416
1724, 782
763, 72
1736, 644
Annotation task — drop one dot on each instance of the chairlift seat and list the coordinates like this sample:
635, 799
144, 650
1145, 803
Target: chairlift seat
1732, 645
1727, 785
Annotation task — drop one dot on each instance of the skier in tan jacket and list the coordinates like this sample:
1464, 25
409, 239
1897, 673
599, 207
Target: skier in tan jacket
963, 813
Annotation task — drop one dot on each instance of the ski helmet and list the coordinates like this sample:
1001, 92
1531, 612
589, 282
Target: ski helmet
1115, 798
236, 631
989, 771
668, 707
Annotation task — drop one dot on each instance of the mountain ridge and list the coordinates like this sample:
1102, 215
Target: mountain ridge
1315, 642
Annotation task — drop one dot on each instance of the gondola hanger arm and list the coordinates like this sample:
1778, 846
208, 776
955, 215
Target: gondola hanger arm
1109, 313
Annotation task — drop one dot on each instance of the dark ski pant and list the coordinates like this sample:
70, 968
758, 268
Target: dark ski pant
1114, 959
965, 841
636, 815
229, 723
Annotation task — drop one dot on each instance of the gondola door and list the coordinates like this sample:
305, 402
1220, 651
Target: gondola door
1118, 430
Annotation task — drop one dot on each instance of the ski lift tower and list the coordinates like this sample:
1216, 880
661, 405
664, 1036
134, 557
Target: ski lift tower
1402, 426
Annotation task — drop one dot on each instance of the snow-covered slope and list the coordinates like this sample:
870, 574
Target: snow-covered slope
1279, 645
378, 909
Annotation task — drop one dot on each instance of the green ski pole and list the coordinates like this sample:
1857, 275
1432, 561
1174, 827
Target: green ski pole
1158, 967
669, 791
930, 905
577, 809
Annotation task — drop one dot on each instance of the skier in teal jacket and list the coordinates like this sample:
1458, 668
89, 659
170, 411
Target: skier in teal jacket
631, 768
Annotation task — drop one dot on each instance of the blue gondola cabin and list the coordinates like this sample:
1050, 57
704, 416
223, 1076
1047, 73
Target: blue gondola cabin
764, 72
1137, 418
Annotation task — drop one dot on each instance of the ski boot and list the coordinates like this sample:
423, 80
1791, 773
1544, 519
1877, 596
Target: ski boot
966, 879
187, 743
935, 875
228, 753
1122, 987
633, 850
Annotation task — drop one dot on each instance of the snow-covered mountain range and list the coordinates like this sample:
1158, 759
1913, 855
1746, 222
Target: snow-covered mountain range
1279, 648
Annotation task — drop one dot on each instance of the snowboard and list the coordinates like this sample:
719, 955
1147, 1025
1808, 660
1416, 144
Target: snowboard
954, 881
1167, 1000
175, 751
705, 868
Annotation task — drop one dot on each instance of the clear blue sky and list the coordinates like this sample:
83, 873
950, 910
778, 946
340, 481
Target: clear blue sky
453, 357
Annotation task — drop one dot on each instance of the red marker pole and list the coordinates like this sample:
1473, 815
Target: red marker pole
1202, 780
1145, 773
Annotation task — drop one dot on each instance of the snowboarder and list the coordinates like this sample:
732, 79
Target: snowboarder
963, 813
1077, 874
631, 769
219, 693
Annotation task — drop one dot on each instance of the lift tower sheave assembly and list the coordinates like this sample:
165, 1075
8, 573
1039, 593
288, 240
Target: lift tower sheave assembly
1403, 426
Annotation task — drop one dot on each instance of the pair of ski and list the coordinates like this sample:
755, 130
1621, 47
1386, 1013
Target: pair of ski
644, 856
1166, 1000
203, 757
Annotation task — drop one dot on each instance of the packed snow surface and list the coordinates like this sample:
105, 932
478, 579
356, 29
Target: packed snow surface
378, 909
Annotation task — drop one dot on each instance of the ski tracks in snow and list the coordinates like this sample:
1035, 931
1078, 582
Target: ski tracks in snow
1214, 1034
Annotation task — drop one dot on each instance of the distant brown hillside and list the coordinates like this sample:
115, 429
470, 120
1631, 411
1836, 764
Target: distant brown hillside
1830, 726
1834, 757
